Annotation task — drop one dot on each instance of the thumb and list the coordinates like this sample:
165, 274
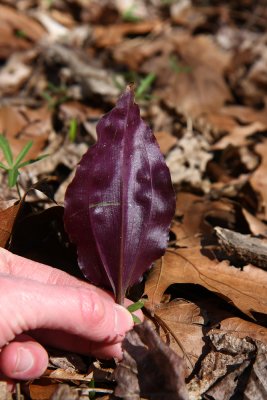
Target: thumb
23, 358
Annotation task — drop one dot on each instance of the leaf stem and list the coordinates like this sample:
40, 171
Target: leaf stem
119, 296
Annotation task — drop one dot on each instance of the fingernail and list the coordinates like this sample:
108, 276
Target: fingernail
24, 360
123, 320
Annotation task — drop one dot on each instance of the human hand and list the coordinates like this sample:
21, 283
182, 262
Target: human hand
56, 309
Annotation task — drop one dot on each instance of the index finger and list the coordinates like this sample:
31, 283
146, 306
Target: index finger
21, 267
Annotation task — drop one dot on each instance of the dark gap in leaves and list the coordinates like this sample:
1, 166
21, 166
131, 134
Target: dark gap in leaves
137, 35
242, 383
40, 236
61, 172
172, 236
57, 123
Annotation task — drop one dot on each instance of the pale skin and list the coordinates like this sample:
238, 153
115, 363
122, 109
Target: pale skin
41, 305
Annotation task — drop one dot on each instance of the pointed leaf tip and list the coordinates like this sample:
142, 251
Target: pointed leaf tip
119, 206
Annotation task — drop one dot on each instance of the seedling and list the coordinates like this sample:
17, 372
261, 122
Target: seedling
144, 84
120, 204
73, 129
12, 167
134, 307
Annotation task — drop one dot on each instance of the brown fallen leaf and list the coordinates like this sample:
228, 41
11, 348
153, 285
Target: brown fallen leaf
12, 21
240, 135
7, 220
194, 215
42, 390
114, 34
21, 124
181, 326
249, 83
165, 141
241, 328
140, 373
258, 178
245, 289
187, 80
256, 226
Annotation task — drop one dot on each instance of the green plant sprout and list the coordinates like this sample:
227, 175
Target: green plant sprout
134, 307
12, 166
144, 87
129, 14
73, 129
143, 84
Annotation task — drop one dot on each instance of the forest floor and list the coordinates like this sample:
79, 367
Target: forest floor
200, 72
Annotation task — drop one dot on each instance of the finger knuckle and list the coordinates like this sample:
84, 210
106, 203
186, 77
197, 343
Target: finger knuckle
91, 306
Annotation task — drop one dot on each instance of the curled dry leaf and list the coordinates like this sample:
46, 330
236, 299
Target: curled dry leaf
245, 289
222, 371
140, 374
119, 206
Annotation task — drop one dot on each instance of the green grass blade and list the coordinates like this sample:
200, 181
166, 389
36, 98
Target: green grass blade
4, 145
31, 161
73, 129
4, 166
145, 85
12, 177
23, 153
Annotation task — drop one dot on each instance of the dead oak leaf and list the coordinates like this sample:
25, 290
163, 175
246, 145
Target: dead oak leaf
245, 289
180, 324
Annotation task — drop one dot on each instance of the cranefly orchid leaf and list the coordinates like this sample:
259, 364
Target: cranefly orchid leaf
119, 206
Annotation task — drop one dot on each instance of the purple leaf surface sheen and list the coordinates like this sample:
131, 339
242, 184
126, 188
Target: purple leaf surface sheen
119, 206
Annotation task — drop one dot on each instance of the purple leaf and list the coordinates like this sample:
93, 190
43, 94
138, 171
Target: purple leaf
119, 206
